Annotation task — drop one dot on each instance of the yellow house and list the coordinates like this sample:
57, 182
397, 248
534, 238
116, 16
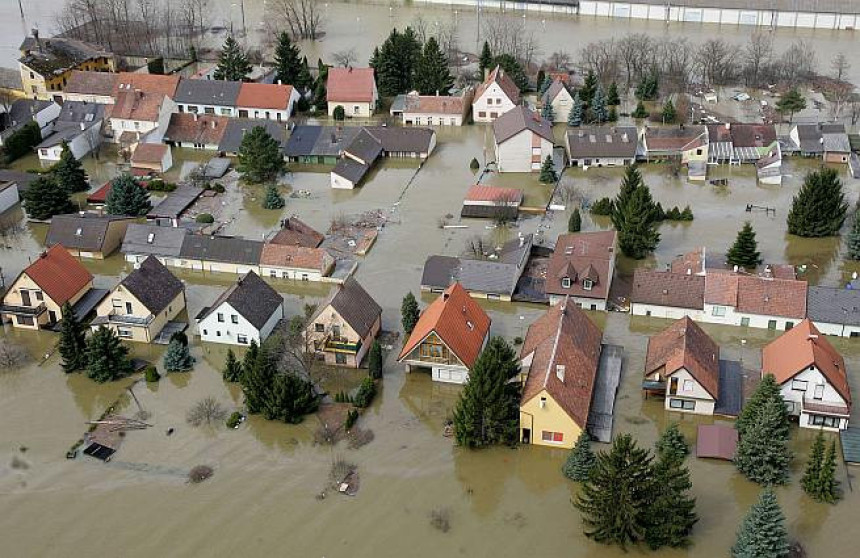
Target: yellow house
560, 357
37, 295
46, 64
142, 304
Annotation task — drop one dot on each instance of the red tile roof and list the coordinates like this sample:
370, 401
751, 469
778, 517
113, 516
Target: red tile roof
772, 297
721, 288
685, 345
579, 256
435, 104
799, 348
149, 153
137, 105
498, 75
483, 193
350, 85
283, 255
193, 128
297, 233
563, 336
100, 195
59, 274
661, 288
458, 321
91, 83
150, 83
264, 96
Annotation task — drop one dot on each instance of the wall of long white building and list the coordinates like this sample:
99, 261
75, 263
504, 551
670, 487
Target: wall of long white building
668, 13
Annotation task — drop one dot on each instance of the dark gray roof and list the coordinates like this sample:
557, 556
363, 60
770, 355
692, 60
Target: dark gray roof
216, 167
401, 139
10, 78
439, 271
518, 119
350, 169
207, 92
20, 113
165, 241
221, 249
321, 141
365, 147
556, 87
85, 232
355, 306
153, 285
597, 141
172, 206
499, 275
833, 305
489, 212
811, 140
238, 127
73, 116
52, 56
251, 297
23, 179
487, 276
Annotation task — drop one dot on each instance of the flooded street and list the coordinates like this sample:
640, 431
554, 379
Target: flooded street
262, 499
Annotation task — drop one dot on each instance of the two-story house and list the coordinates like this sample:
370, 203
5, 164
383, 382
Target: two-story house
495, 96
522, 139
449, 336
581, 267
142, 304
203, 96
248, 311
36, 297
91, 87
137, 113
345, 325
266, 101
558, 95
812, 376
354, 89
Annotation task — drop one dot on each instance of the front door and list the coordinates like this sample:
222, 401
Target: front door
25, 298
673, 386
339, 358
52, 316
527, 435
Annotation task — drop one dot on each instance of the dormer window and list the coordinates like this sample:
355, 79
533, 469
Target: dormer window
565, 282
587, 284
78, 232
559, 372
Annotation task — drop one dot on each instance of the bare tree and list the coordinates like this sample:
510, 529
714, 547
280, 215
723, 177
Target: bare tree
840, 65
636, 55
420, 26
297, 349
303, 18
10, 227
854, 108
11, 355
758, 54
206, 411
797, 64
717, 62
345, 58
601, 58
509, 35
674, 64
560, 61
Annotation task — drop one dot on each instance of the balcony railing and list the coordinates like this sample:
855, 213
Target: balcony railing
335, 345
23, 310
819, 408
125, 319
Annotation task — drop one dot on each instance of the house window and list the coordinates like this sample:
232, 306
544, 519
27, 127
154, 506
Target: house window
565, 282
273, 273
493, 296
821, 420
771, 324
220, 317
799, 385
242, 339
25, 320
688, 385
552, 437
304, 276
218, 333
433, 349
819, 392
340, 358
123, 332
319, 328
356, 109
745, 322
682, 404
718, 311
789, 325
205, 332
234, 319
38, 295
587, 284
226, 111
482, 114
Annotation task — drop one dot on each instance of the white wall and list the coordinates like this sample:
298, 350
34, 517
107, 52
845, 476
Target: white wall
290, 273
430, 119
493, 103
732, 317
813, 378
561, 106
515, 153
667, 312
220, 110
213, 331
704, 401
80, 146
581, 301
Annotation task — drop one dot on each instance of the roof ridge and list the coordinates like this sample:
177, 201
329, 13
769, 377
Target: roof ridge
562, 309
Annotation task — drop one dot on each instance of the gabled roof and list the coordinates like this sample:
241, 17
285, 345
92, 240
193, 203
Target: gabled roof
576, 253
354, 305
236, 128
73, 116
155, 84
493, 194
402, 139
91, 83
563, 337
175, 203
499, 76
264, 96
831, 305
434, 104
137, 105
251, 297
58, 274
308, 140
207, 129
151, 239
698, 262
685, 345
599, 141
208, 92
149, 153
350, 85
221, 249
285, 255
801, 347
518, 119
556, 87
86, 232
153, 285
365, 147
457, 320
662, 288
52, 56
296, 233
678, 138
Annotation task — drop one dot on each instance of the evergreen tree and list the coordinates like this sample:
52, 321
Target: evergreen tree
287, 62
177, 358
574, 224
613, 114
21, 141
486, 60
45, 198
374, 362
514, 69
763, 455
547, 171
258, 379
767, 389
634, 216
232, 63
827, 489
615, 500
598, 105
791, 103
744, 252
409, 312
232, 368
69, 172
589, 87
73, 341
672, 512
396, 63
291, 399
762, 533
250, 356
107, 357
819, 208
260, 156
544, 82
640, 111
809, 481
273, 198
649, 88
488, 409
612, 98
581, 459
672, 444
574, 117
669, 113
127, 197
852, 239
548, 113
432, 75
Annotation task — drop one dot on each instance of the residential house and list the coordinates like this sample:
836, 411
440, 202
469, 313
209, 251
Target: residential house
36, 297
751, 301
200, 131
322, 145
46, 64
522, 140
687, 143
491, 202
769, 167
91, 87
296, 233
248, 311
22, 111
737, 143
807, 140
373, 142
223, 254
142, 241
581, 268
236, 128
169, 211
138, 114
266, 101
597, 146
143, 303
88, 235
837, 147
829, 141
79, 125
148, 83
834, 311
683, 365
561, 357
212, 97
496, 96
295, 262
450, 334
9, 195
558, 95
429, 110
345, 326
493, 278
812, 376
152, 157
354, 89
663, 294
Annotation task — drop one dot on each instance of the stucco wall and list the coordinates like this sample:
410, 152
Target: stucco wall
551, 418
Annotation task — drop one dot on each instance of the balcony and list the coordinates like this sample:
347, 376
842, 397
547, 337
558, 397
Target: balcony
14, 310
816, 407
340, 345
129, 320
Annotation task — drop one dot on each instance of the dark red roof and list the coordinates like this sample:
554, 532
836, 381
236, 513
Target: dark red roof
59, 274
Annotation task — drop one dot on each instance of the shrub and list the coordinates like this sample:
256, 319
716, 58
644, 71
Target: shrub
339, 113
518, 340
474, 165
234, 420
351, 418
200, 473
603, 206
366, 393
151, 374
205, 218
219, 188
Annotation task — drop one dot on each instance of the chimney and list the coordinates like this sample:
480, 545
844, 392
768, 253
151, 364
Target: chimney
36, 37
213, 124
559, 372
83, 126
728, 125
446, 296
279, 82
195, 116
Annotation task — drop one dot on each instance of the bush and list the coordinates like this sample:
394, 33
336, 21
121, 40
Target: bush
234, 420
602, 206
474, 165
219, 188
351, 418
339, 113
151, 374
518, 340
200, 473
159, 185
205, 218
366, 393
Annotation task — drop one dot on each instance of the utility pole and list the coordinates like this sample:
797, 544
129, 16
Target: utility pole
21, 9
478, 36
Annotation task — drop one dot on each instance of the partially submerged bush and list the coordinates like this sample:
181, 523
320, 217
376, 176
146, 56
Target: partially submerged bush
366, 393
150, 374
603, 206
205, 218
234, 420
440, 518
200, 473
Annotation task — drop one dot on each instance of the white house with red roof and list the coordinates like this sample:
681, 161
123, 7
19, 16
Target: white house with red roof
522, 140
354, 89
496, 96
266, 100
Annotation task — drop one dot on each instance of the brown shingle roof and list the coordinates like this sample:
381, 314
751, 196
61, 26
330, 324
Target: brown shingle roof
577, 255
283, 255
350, 85
662, 288
149, 153
685, 345
434, 104
149, 83
91, 83
721, 288
498, 75
518, 119
355, 306
674, 139
484, 193
192, 128
772, 297
59, 274
563, 336
137, 105
264, 96
297, 233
